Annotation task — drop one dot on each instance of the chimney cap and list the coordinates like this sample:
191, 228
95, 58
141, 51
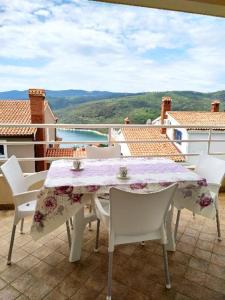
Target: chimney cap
37, 92
126, 120
166, 98
216, 101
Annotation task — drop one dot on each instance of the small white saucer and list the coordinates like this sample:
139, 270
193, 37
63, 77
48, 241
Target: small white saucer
77, 170
121, 177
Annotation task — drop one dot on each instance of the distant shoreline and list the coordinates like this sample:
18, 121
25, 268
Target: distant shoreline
84, 130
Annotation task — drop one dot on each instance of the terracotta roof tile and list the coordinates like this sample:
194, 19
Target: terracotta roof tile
149, 134
200, 118
59, 152
16, 112
65, 152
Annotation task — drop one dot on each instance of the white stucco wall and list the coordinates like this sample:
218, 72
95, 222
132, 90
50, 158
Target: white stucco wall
22, 151
197, 147
118, 136
49, 119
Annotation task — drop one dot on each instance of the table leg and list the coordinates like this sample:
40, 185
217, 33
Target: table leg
171, 246
77, 235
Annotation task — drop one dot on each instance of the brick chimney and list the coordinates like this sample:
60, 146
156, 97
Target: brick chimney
126, 121
165, 106
215, 106
37, 105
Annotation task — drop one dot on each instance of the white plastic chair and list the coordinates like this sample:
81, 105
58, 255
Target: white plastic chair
132, 217
103, 152
213, 170
93, 152
24, 200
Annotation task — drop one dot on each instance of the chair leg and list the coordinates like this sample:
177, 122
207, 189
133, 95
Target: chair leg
11, 244
177, 224
218, 225
71, 223
166, 268
109, 289
68, 233
21, 226
97, 236
89, 224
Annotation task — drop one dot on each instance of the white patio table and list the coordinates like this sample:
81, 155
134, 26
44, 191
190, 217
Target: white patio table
62, 194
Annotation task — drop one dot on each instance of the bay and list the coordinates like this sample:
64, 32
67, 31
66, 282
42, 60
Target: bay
81, 136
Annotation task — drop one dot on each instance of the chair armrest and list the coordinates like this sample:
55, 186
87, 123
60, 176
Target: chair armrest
25, 197
36, 177
99, 208
214, 187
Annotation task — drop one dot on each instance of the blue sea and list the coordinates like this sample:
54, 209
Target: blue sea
81, 136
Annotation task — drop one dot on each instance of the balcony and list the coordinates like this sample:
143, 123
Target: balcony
41, 270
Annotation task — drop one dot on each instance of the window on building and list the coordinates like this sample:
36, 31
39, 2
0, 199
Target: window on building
178, 136
3, 150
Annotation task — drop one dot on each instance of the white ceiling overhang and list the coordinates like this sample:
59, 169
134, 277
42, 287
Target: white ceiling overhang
204, 7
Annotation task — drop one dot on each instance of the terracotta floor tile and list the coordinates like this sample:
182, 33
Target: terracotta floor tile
207, 237
199, 264
215, 284
191, 232
23, 282
55, 295
181, 297
37, 290
42, 252
69, 286
8, 293
28, 262
11, 273
197, 268
184, 247
85, 293
2, 284
219, 249
18, 254
180, 257
22, 297
218, 260
54, 258
199, 253
205, 245
188, 239
217, 271
195, 276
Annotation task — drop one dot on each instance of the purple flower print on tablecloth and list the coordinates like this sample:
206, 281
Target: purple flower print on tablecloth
205, 200
60, 210
39, 218
202, 182
187, 193
63, 190
50, 203
138, 186
164, 184
75, 198
92, 188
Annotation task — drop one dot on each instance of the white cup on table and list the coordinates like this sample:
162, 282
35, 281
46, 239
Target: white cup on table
123, 172
77, 164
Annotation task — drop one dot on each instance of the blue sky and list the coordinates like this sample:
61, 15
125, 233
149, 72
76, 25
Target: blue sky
81, 44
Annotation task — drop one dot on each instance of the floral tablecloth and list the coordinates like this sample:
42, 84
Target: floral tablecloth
64, 188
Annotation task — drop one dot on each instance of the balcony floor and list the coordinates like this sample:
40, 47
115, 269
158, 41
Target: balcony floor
40, 270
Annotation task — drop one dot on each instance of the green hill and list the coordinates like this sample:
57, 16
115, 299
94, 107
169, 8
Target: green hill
139, 108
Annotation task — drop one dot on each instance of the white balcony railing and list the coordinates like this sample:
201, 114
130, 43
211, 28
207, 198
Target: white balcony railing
110, 128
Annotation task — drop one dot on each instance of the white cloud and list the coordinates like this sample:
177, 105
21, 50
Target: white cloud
94, 46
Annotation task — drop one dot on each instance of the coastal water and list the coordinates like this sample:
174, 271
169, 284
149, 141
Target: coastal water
81, 136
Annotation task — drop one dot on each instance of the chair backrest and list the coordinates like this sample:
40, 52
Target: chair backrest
103, 152
211, 168
135, 214
14, 175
